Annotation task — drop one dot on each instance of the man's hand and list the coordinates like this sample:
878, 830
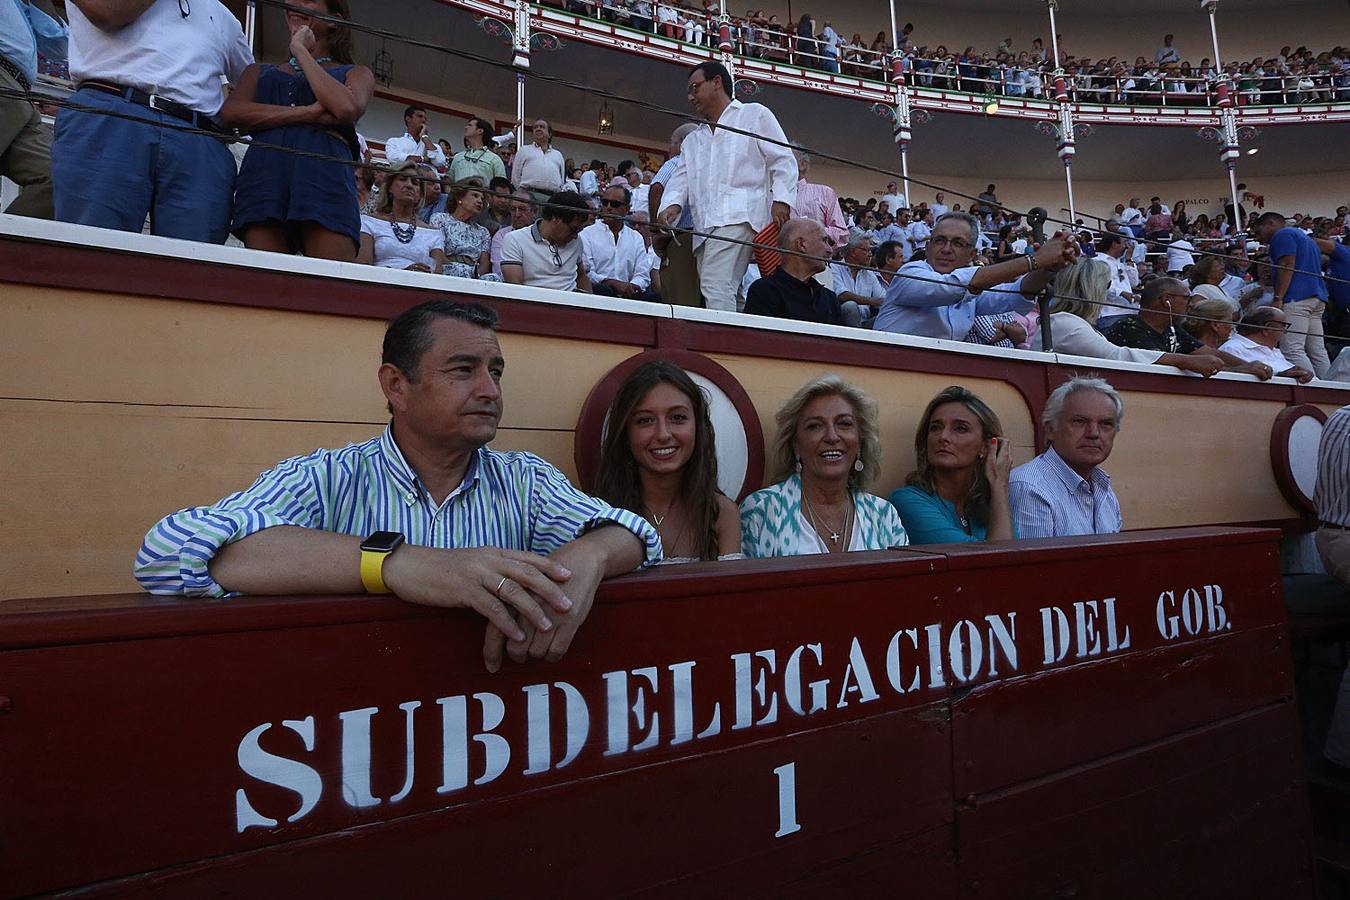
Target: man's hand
1200, 363
1298, 372
500, 585
1058, 252
670, 215
781, 212
1014, 332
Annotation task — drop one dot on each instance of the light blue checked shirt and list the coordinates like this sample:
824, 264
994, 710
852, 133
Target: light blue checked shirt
514, 501
1049, 499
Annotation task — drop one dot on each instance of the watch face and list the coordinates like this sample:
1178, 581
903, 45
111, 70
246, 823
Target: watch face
382, 542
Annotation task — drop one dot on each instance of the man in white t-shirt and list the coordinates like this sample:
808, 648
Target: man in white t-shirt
548, 253
112, 170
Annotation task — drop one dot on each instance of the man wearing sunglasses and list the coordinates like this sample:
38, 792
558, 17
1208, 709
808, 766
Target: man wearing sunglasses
614, 255
940, 296
1258, 340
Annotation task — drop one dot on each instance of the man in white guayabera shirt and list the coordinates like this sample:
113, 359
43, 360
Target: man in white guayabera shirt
735, 182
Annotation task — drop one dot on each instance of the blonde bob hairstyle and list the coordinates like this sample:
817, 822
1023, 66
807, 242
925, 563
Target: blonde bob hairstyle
1081, 289
405, 169
783, 452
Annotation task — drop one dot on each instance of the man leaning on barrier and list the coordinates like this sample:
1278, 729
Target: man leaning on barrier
424, 511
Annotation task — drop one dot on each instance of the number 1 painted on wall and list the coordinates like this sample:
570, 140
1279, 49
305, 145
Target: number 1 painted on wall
787, 800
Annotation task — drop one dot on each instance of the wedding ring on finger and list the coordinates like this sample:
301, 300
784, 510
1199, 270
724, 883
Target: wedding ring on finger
499, 586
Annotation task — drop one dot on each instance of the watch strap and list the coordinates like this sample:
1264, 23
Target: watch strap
372, 569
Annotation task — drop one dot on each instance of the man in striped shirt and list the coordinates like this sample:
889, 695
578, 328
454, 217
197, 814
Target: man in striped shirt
1063, 491
1332, 495
503, 534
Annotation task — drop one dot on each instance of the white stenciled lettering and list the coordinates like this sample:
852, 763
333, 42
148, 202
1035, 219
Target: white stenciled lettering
1192, 611
936, 679
622, 712
539, 723
752, 689
281, 771
1086, 629
1002, 636
893, 673
857, 677
1168, 624
1114, 640
356, 757
455, 741
1218, 616
1054, 634
787, 800
682, 709
792, 682
965, 652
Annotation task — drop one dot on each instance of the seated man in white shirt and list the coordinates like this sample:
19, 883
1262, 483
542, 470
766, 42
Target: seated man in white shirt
1258, 340
416, 143
921, 229
548, 253
1121, 298
614, 255
946, 292
856, 286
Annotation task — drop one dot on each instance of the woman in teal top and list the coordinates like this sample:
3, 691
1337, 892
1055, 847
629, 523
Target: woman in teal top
959, 492
825, 453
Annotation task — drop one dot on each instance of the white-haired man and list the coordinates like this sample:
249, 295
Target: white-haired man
1063, 491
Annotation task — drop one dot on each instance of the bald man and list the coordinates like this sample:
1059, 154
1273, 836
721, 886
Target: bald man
792, 292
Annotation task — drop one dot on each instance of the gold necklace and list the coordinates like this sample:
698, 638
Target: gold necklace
835, 536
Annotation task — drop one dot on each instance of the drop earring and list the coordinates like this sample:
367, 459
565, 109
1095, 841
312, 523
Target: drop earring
858, 464
799, 465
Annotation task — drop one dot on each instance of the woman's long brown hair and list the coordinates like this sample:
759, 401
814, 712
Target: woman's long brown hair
977, 499
619, 483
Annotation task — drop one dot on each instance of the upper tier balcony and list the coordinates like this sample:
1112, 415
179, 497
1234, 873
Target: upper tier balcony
936, 82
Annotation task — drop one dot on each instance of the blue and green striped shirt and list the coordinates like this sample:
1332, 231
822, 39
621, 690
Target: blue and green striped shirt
514, 501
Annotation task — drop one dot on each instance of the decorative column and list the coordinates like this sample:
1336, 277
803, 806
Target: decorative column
726, 44
520, 58
251, 26
1066, 128
903, 115
1224, 101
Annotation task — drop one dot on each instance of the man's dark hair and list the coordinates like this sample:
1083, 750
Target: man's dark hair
883, 252
408, 336
566, 206
627, 194
412, 109
501, 185
487, 128
1108, 240
713, 70
624, 167
1275, 217
597, 164
1257, 320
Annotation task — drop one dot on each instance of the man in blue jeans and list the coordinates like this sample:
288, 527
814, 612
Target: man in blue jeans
1299, 289
157, 66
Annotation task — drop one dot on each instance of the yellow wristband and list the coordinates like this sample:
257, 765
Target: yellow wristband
372, 566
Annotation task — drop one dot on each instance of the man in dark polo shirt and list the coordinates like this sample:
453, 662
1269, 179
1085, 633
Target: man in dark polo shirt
792, 291
1162, 303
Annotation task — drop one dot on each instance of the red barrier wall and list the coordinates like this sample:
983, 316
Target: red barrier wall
920, 722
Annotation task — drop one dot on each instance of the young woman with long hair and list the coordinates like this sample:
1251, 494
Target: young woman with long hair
659, 459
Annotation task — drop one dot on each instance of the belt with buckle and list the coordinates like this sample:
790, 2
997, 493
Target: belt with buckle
156, 102
1334, 526
14, 70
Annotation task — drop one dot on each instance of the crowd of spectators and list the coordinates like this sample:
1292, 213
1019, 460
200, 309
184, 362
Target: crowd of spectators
732, 221
1165, 76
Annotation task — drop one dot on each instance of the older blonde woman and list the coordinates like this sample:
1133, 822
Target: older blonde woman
1080, 292
825, 452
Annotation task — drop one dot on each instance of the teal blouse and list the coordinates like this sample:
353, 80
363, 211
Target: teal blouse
929, 519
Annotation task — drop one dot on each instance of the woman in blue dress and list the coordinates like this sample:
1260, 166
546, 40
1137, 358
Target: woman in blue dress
287, 202
959, 492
